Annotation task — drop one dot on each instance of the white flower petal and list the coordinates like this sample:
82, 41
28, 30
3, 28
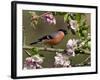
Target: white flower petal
73, 53
69, 44
73, 27
67, 63
61, 60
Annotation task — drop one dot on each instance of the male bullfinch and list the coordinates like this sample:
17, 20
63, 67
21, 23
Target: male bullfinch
52, 39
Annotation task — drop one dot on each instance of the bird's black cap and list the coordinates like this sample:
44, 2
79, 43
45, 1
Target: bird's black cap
63, 30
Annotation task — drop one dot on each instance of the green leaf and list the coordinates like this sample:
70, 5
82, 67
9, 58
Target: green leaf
35, 51
81, 34
78, 17
84, 32
73, 16
85, 27
89, 44
66, 17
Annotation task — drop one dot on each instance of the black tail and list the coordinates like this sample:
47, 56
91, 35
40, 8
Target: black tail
35, 42
39, 40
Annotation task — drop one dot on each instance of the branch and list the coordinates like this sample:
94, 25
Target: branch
52, 49
44, 49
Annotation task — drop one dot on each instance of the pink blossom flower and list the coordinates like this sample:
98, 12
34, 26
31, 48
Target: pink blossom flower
67, 64
61, 60
70, 52
49, 18
70, 47
71, 43
33, 62
73, 24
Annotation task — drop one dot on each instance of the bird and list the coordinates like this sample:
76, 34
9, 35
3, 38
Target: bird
52, 39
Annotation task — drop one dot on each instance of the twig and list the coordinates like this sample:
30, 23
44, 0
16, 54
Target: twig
85, 60
27, 52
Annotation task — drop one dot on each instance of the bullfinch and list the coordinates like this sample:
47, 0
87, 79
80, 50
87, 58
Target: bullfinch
52, 39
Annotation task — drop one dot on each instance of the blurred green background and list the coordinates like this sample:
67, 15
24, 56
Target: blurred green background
30, 34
